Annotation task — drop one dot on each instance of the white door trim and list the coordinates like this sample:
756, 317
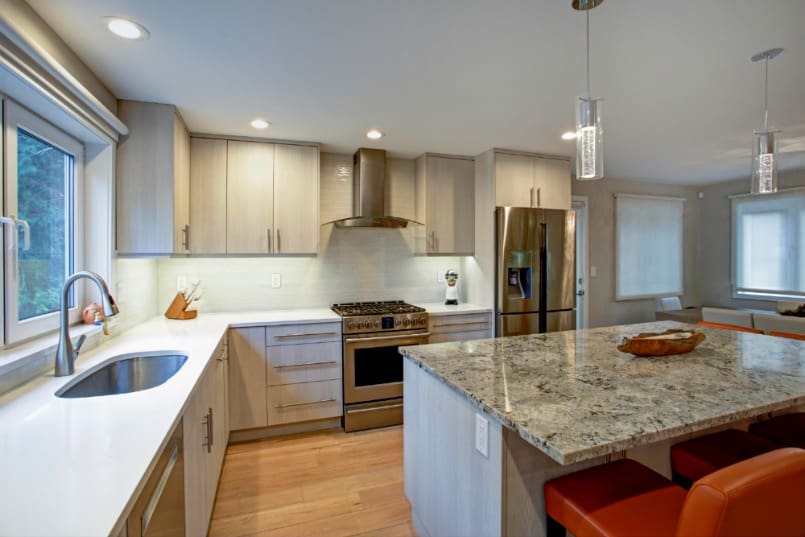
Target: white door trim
582, 203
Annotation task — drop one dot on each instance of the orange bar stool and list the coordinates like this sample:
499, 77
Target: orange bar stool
695, 458
730, 327
762, 496
786, 430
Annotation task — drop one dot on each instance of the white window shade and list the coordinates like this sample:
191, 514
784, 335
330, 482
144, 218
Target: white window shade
768, 245
649, 246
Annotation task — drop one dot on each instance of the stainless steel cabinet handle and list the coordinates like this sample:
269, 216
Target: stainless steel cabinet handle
531, 194
382, 338
268, 234
211, 433
362, 410
186, 237
26, 233
222, 356
306, 364
286, 405
433, 242
206, 440
485, 323
310, 334
539, 197
279, 241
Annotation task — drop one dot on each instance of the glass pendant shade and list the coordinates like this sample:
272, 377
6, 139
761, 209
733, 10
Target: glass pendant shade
589, 140
764, 163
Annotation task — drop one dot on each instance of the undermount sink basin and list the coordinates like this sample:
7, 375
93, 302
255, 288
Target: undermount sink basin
125, 374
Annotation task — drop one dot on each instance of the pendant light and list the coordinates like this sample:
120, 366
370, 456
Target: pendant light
589, 133
764, 147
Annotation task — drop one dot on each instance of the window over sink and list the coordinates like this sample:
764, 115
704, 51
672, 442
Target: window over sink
768, 245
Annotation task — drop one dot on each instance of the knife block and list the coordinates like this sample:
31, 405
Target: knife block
176, 310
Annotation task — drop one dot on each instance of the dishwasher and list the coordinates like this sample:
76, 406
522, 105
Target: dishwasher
159, 511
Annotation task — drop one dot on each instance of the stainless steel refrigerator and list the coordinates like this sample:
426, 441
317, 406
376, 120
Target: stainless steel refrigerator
535, 270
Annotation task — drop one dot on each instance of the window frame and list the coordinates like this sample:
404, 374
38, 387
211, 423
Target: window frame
619, 295
16, 116
760, 294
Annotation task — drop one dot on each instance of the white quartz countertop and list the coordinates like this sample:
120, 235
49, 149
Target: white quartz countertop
73, 467
436, 309
574, 396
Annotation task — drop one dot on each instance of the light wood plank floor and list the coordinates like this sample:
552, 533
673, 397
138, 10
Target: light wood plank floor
326, 483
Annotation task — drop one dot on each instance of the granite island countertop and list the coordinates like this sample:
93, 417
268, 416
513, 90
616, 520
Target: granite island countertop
574, 396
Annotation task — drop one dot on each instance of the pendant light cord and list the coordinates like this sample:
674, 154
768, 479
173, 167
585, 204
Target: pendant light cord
766, 99
587, 11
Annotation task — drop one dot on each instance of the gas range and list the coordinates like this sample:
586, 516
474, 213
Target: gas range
394, 315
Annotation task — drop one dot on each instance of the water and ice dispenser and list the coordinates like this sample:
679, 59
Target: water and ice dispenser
518, 275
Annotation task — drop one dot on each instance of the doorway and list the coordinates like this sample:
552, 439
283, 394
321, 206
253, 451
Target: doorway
579, 206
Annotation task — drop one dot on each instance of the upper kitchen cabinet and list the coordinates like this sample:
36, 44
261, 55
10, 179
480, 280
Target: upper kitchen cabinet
249, 197
207, 234
272, 198
528, 180
296, 199
153, 181
445, 203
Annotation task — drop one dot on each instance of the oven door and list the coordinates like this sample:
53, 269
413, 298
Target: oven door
373, 365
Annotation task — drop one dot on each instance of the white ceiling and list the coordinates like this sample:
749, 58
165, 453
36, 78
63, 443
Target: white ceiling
461, 76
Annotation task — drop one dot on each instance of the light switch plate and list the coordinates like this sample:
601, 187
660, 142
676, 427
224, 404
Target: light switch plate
181, 283
593, 271
482, 435
276, 281
440, 276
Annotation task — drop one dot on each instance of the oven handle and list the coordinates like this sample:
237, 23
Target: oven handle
372, 409
385, 338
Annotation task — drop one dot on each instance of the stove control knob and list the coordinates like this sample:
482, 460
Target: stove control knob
350, 325
406, 322
377, 324
422, 321
396, 322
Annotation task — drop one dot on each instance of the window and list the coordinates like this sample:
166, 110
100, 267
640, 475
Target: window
648, 243
768, 245
41, 196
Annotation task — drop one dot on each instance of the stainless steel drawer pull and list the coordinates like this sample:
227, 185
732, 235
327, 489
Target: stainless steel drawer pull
280, 366
485, 323
311, 334
384, 407
286, 405
383, 338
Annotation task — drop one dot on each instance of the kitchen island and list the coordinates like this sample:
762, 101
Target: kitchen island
487, 422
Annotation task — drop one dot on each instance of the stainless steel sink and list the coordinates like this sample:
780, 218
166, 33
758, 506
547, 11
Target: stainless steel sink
125, 374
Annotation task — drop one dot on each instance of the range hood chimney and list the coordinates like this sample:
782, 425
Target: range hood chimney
369, 193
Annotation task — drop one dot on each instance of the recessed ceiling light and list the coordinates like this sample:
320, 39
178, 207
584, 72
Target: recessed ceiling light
570, 135
374, 134
260, 123
127, 29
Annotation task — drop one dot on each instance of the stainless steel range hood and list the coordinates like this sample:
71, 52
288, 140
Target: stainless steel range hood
369, 193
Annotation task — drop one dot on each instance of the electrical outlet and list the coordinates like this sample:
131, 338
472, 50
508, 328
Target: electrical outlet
593, 271
482, 435
181, 283
276, 281
440, 276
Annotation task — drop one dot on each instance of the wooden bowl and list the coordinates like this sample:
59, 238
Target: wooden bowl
662, 344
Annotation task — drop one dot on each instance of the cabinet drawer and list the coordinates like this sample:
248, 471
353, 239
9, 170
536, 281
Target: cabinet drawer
459, 336
458, 323
305, 401
292, 334
308, 362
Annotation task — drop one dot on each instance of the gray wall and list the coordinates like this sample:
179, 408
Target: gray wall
713, 267
603, 309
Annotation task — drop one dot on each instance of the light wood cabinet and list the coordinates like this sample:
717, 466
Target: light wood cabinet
459, 327
296, 199
247, 378
152, 204
294, 403
208, 167
249, 197
445, 203
527, 180
205, 438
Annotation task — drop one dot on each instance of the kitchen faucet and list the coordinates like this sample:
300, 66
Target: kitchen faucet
65, 353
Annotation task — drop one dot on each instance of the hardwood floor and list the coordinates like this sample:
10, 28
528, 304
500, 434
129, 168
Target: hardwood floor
326, 483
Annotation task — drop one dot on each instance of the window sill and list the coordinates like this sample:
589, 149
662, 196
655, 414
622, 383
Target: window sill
23, 362
766, 297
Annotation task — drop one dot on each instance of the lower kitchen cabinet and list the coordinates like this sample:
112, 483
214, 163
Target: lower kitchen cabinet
205, 438
459, 327
247, 378
304, 401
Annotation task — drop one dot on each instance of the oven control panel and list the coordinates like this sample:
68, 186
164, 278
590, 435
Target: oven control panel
382, 323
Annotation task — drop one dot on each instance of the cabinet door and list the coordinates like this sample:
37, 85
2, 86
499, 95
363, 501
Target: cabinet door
451, 205
249, 197
216, 408
181, 186
247, 378
552, 183
196, 462
296, 195
514, 179
207, 196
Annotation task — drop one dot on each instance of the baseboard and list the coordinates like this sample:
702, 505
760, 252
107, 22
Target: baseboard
248, 435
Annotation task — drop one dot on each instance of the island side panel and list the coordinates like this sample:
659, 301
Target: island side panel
453, 489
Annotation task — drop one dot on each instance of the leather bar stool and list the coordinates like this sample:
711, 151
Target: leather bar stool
786, 430
695, 458
762, 496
